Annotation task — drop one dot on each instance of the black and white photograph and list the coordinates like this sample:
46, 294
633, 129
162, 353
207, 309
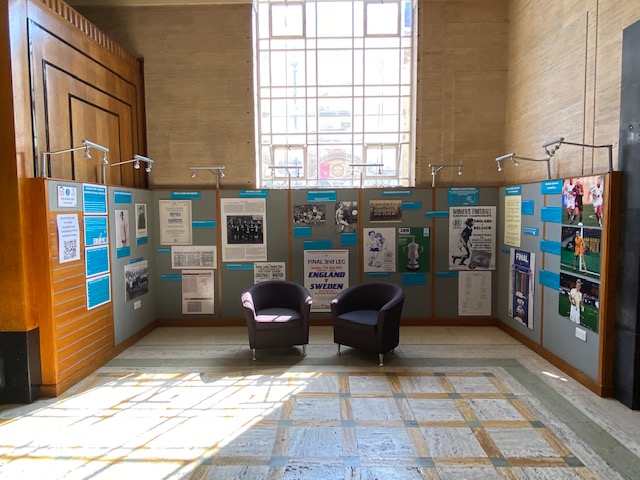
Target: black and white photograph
122, 229
309, 214
472, 238
244, 229
141, 220
347, 217
385, 210
136, 280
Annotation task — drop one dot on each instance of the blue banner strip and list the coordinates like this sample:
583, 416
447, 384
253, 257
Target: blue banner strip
463, 196
447, 274
530, 231
253, 194
511, 191
413, 278
349, 239
551, 214
318, 244
123, 252
527, 207
240, 266
301, 232
203, 224
171, 277
550, 246
397, 193
136, 260
437, 214
121, 197
142, 240
506, 250
411, 205
549, 279
164, 250
551, 187
185, 195
322, 196
378, 274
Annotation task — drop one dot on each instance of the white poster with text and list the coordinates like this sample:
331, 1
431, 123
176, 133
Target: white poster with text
326, 274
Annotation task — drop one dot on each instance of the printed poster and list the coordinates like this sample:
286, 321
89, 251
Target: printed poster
414, 249
244, 229
197, 291
512, 220
326, 274
68, 237
265, 271
472, 238
474, 293
175, 222
379, 249
521, 285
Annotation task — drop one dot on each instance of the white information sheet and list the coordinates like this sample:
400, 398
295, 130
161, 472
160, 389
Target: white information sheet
244, 229
68, 238
379, 249
512, 220
474, 293
67, 196
201, 256
197, 291
175, 222
263, 271
326, 274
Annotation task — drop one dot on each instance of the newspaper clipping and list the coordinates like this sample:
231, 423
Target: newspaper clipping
197, 291
244, 229
201, 256
264, 271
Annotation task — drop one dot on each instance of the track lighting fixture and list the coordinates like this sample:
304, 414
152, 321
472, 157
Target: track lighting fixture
217, 170
86, 146
514, 158
435, 168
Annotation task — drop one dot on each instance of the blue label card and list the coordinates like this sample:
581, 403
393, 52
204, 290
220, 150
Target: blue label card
239, 266
253, 194
349, 239
463, 196
96, 260
95, 231
142, 240
322, 196
549, 279
94, 198
551, 187
123, 252
411, 205
203, 224
163, 250
551, 214
120, 196
437, 214
98, 291
414, 278
530, 231
136, 260
171, 277
549, 246
506, 250
378, 274
397, 193
527, 207
301, 232
514, 190
318, 244
194, 195
447, 274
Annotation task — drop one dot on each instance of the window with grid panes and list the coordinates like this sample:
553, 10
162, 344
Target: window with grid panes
335, 93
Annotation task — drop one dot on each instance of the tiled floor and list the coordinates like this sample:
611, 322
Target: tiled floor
450, 403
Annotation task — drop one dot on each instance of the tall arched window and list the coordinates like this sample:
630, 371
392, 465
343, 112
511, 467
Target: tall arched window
335, 92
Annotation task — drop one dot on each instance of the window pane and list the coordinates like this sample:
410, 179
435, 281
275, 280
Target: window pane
382, 18
335, 19
334, 67
382, 67
287, 20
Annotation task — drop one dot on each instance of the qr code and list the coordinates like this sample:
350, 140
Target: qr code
70, 250
194, 307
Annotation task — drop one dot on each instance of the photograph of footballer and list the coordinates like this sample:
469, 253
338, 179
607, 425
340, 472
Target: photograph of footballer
579, 301
582, 201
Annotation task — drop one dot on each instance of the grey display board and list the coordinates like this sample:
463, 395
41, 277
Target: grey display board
530, 193
204, 232
135, 310
446, 282
236, 276
417, 285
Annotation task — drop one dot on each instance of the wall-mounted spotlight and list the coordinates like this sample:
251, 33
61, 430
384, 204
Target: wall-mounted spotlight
435, 168
514, 158
136, 162
364, 166
86, 145
552, 147
217, 170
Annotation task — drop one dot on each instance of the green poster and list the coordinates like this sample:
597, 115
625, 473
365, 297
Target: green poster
414, 249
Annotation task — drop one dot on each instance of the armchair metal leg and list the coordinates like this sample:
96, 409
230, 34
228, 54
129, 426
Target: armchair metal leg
381, 357
254, 354
339, 349
304, 350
